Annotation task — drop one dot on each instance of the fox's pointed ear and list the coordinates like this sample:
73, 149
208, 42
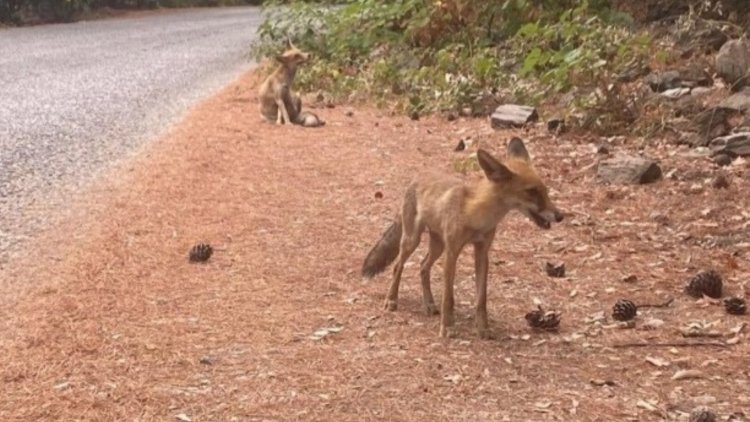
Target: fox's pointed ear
289, 44
494, 169
516, 149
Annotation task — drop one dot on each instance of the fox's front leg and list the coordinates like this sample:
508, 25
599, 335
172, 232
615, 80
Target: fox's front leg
282, 116
446, 311
481, 264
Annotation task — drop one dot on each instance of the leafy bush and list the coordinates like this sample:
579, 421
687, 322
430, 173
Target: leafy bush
426, 55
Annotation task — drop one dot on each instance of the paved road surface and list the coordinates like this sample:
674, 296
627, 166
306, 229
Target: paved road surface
76, 98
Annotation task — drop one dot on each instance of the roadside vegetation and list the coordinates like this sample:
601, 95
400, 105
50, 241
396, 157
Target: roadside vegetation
466, 57
19, 12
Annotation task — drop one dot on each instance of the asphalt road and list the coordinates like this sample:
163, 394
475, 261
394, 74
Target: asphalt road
77, 98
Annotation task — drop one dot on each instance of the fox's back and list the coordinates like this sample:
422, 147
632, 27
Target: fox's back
438, 198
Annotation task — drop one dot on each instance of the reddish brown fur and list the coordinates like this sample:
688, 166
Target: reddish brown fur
456, 213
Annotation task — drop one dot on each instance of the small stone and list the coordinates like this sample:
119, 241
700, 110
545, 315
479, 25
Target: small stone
451, 116
676, 92
723, 159
349, 113
378, 195
602, 149
662, 81
414, 115
630, 279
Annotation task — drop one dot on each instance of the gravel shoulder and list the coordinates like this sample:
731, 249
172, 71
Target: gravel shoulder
79, 98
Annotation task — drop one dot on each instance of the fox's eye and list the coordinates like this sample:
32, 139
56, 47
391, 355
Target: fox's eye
532, 192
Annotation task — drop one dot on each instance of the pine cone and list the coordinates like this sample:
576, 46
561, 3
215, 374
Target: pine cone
539, 319
201, 252
705, 283
735, 306
624, 310
702, 414
555, 270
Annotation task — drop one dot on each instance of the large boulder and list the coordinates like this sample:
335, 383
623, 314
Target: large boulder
733, 62
739, 101
627, 169
735, 145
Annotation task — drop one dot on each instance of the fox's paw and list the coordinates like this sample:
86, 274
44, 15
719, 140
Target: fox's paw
430, 309
447, 332
390, 305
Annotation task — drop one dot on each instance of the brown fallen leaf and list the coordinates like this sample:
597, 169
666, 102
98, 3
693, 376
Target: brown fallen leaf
658, 362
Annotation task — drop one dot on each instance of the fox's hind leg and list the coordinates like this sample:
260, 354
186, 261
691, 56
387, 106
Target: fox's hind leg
410, 236
409, 242
436, 249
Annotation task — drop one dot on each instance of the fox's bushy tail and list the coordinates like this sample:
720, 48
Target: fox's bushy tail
384, 252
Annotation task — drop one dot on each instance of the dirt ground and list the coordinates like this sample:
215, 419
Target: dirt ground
103, 318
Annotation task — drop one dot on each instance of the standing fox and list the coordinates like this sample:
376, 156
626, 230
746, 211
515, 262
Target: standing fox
277, 100
456, 213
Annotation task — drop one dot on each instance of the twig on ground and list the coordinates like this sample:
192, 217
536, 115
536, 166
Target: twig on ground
671, 344
658, 305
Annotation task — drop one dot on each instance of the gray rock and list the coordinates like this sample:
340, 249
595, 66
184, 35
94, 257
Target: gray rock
702, 35
676, 92
739, 101
723, 160
693, 139
688, 77
512, 115
700, 90
662, 81
713, 122
733, 62
626, 169
735, 145
695, 75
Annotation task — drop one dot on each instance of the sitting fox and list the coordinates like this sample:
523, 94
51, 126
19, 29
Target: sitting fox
277, 100
456, 213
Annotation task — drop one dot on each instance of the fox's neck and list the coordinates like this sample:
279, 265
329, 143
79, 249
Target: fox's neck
288, 72
483, 200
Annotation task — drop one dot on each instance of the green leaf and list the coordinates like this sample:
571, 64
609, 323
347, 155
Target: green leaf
531, 61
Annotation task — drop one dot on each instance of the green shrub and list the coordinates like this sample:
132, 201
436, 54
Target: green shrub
427, 55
